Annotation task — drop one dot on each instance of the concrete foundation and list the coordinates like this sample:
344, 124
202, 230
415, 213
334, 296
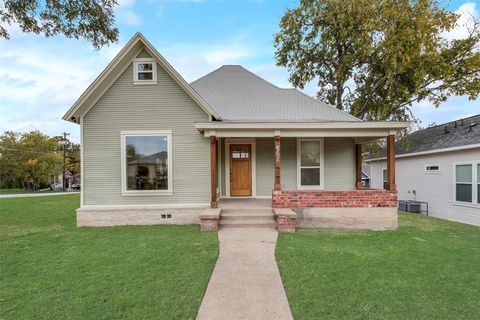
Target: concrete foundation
348, 218
115, 216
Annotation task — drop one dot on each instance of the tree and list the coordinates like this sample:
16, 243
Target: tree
30, 159
391, 53
89, 19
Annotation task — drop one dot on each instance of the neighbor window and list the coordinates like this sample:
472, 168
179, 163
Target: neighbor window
467, 182
147, 162
432, 168
310, 162
144, 71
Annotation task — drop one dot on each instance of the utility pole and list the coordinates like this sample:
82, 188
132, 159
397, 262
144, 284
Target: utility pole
64, 143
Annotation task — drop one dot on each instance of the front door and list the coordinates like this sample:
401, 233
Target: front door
240, 170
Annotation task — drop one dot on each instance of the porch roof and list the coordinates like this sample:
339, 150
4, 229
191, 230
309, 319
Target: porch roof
362, 130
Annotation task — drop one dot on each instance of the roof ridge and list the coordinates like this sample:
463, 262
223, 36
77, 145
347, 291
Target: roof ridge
206, 75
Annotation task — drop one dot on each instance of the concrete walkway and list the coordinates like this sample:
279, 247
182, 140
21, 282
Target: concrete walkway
28, 195
245, 283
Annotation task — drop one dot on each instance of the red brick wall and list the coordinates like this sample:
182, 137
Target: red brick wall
365, 198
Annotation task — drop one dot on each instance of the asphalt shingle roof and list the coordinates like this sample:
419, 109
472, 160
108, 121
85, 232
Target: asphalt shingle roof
238, 95
458, 133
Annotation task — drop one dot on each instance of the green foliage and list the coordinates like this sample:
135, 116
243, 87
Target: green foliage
89, 19
427, 269
393, 52
30, 160
53, 270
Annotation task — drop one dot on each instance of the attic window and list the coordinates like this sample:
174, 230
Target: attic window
144, 71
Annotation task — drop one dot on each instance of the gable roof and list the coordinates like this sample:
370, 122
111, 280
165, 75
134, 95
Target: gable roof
455, 134
239, 95
117, 66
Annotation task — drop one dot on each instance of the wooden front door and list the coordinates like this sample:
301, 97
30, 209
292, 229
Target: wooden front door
240, 169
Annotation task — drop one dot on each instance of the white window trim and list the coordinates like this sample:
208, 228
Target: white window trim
432, 171
136, 71
322, 165
251, 142
474, 202
125, 192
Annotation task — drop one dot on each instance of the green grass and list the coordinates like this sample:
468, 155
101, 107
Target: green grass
51, 269
427, 269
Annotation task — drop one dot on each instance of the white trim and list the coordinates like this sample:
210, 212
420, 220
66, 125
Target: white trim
123, 135
82, 165
219, 167
475, 203
466, 147
390, 125
148, 206
322, 165
135, 62
252, 144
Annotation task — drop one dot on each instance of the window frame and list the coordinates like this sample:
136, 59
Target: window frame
425, 166
474, 183
136, 62
384, 179
321, 166
146, 133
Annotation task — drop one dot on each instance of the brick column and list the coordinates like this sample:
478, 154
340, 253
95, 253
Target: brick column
358, 166
213, 171
391, 162
278, 185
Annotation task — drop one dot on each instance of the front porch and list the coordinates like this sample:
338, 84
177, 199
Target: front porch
312, 169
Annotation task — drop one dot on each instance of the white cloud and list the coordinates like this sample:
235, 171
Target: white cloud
125, 3
467, 12
128, 17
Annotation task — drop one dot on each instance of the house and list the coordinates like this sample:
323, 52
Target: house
156, 149
439, 165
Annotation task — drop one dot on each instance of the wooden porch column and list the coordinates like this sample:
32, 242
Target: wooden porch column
358, 166
391, 162
213, 171
278, 185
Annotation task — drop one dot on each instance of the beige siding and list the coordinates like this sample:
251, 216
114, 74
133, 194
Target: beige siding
339, 163
125, 106
264, 166
224, 174
288, 174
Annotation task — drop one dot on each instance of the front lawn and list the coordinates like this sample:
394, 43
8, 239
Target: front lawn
427, 269
51, 269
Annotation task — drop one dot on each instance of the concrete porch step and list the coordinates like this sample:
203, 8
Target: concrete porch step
246, 210
247, 224
247, 216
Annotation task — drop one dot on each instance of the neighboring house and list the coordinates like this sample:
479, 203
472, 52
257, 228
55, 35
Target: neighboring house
156, 149
439, 165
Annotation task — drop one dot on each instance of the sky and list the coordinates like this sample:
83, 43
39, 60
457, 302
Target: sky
40, 78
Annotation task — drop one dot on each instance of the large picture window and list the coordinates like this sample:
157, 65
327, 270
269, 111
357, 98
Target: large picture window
146, 162
467, 182
310, 164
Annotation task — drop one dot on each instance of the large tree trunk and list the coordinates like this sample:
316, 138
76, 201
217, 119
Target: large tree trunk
339, 100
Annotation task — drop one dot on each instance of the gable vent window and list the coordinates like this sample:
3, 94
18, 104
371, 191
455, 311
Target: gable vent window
432, 168
144, 71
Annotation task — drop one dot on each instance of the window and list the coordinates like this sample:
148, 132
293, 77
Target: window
146, 162
385, 179
310, 164
144, 71
467, 182
432, 168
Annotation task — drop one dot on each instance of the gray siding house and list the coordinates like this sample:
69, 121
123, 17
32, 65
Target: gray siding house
439, 165
156, 149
